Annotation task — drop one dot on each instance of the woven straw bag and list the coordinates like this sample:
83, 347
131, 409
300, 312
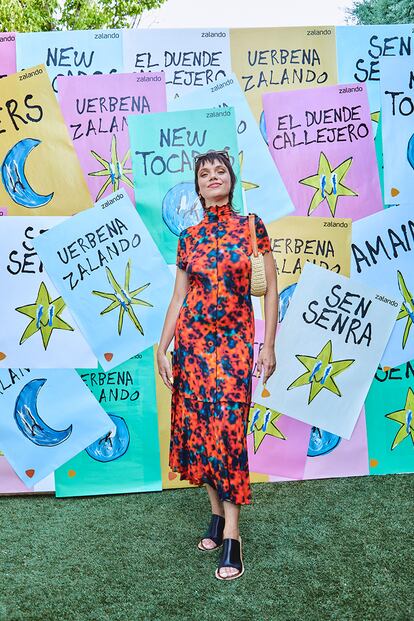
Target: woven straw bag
258, 285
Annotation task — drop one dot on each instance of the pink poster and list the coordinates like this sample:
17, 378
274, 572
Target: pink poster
7, 53
322, 143
96, 109
276, 444
331, 456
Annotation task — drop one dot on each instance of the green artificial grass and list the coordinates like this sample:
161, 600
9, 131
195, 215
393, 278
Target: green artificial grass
319, 550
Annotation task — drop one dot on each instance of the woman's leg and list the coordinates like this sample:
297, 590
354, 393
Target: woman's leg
231, 531
216, 508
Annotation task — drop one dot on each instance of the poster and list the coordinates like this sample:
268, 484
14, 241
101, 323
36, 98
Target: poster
331, 341
95, 109
296, 240
331, 456
389, 406
322, 143
74, 52
41, 332
7, 53
280, 59
112, 276
383, 258
127, 460
190, 57
264, 190
40, 173
360, 50
397, 101
163, 147
47, 417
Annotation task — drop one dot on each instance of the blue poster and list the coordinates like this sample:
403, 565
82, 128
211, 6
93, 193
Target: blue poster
111, 275
79, 52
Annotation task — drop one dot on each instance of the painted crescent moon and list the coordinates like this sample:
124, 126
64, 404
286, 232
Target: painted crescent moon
112, 445
30, 423
14, 178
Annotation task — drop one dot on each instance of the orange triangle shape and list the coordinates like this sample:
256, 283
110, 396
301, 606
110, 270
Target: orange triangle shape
30, 472
265, 392
394, 192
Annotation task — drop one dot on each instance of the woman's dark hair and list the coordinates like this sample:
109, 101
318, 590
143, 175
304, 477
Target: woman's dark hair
211, 157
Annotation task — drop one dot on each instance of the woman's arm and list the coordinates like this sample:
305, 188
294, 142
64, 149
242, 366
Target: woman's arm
167, 334
267, 357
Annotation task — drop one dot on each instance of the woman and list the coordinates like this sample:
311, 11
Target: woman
212, 321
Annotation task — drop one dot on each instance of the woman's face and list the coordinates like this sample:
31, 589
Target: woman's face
214, 182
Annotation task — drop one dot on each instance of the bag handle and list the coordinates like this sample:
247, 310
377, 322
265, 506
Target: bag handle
253, 237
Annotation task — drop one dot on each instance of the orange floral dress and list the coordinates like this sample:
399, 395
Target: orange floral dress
212, 360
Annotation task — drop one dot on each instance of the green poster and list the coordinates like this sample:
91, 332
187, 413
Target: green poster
128, 458
389, 411
163, 146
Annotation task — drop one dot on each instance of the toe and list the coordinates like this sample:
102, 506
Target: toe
208, 543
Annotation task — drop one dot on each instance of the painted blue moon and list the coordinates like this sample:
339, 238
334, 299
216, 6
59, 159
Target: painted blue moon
322, 442
30, 423
284, 300
262, 126
14, 178
111, 446
181, 207
410, 151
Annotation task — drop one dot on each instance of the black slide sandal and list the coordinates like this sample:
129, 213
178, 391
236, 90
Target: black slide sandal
231, 556
214, 532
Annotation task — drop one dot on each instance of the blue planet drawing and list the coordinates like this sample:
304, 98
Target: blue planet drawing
322, 442
181, 207
14, 177
262, 125
112, 445
29, 421
284, 300
410, 151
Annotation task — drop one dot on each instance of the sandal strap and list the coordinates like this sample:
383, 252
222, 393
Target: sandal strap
230, 555
215, 530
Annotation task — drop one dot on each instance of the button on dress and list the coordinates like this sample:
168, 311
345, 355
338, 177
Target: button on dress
212, 360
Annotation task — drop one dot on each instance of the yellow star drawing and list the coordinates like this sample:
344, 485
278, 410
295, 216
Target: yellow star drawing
114, 169
44, 314
246, 185
262, 423
320, 373
328, 184
407, 307
405, 419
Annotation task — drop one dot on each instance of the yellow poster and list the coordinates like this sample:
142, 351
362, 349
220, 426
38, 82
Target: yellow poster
298, 239
280, 59
40, 172
170, 479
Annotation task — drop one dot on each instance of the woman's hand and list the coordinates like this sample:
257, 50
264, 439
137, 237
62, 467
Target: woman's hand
266, 360
164, 369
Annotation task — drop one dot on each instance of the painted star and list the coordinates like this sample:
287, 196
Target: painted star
407, 308
328, 184
44, 314
320, 373
405, 419
262, 423
114, 169
123, 298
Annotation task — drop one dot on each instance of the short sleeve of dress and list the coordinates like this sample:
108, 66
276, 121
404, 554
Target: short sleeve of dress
263, 241
181, 260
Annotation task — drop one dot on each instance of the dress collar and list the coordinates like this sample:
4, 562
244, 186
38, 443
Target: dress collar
216, 212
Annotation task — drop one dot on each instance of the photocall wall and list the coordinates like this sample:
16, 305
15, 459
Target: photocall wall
98, 131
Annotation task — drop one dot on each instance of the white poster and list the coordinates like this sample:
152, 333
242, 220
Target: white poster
38, 329
328, 349
383, 257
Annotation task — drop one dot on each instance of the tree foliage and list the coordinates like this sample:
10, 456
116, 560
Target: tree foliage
382, 12
36, 15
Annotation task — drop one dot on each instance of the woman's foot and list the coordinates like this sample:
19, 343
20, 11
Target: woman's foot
231, 562
214, 536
